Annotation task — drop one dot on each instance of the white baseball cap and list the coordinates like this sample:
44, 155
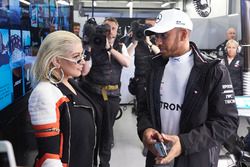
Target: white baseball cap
169, 19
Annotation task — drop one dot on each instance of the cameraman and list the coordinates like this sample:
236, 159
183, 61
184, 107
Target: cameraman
143, 49
103, 83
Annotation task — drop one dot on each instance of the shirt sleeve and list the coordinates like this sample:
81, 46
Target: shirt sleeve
124, 50
44, 111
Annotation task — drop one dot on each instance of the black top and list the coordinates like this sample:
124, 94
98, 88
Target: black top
235, 69
82, 129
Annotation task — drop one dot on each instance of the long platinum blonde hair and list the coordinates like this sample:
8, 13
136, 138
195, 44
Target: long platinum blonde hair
58, 43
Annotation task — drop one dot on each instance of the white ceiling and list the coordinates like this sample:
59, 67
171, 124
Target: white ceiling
119, 8
123, 3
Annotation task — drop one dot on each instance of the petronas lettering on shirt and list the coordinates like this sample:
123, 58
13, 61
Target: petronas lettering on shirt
170, 106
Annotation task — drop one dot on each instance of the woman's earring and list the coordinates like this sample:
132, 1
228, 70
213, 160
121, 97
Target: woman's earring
52, 79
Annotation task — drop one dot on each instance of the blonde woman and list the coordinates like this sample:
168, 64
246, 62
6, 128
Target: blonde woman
62, 115
234, 63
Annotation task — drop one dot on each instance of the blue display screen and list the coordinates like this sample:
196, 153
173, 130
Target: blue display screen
6, 88
15, 62
48, 14
242, 102
22, 29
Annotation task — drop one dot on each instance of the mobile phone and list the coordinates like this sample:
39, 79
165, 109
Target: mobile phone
7, 158
161, 149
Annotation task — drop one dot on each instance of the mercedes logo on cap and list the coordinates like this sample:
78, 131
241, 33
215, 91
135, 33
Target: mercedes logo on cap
158, 18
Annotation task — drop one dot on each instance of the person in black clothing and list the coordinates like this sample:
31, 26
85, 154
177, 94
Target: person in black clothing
103, 83
234, 63
62, 115
143, 50
221, 48
190, 102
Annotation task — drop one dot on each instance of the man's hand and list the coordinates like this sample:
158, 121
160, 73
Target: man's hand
135, 42
150, 137
174, 151
108, 45
147, 40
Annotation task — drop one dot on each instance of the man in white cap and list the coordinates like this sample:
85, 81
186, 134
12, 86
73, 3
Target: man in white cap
190, 104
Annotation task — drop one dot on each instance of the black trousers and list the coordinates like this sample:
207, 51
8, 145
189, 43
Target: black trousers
105, 122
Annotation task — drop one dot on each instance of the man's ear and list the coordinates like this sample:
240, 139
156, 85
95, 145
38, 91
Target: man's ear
184, 34
56, 62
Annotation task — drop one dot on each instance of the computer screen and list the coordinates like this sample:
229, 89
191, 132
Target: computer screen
48, 14
15, 62
22, 29
14, 13
243, 105
6, 89
4, 16
243, 102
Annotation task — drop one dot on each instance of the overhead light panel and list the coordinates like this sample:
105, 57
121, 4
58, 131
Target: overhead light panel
129, 4
95, 4
62, 2
235, 14
25, 2
167, 4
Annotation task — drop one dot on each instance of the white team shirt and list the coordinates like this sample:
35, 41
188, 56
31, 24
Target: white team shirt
172, 91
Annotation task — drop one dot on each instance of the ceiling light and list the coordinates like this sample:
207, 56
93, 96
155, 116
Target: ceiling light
95, 4
235, 14
62, 2
129, 4
167, 4
25, 2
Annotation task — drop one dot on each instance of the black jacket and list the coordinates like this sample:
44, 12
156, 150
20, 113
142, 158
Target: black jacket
209, 115
105, 69
142, 59
235, 69
221, 49
64, 125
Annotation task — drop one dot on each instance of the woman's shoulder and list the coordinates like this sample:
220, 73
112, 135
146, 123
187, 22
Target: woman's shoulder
46, 88
43, 103
45, 91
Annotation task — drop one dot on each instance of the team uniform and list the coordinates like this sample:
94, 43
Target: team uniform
204, 95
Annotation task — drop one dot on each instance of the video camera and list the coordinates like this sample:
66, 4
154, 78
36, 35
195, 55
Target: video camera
94, 34
138, 30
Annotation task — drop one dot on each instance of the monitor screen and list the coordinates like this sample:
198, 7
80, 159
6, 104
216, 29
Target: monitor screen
48, 14
4, 15
243, 102
22, 29
16, 60
63, 17
39, 14
29, 59
17, 56
6, 89
14, 13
